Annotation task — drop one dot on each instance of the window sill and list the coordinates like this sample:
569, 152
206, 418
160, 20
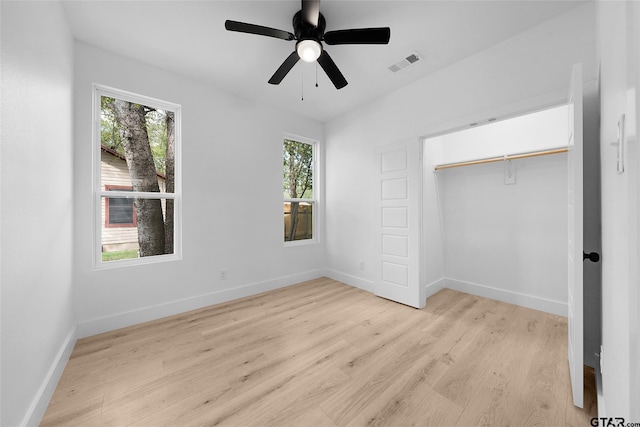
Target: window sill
105, 265
300, 243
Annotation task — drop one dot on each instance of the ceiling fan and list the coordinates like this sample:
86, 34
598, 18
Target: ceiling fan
308, 30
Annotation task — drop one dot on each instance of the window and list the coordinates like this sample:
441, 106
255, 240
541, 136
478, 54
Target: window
119, 211
137, 179
300, 201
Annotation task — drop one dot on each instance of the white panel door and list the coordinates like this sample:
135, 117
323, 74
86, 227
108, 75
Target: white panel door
575, 347
398, 198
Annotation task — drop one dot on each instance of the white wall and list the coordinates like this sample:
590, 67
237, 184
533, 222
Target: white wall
232, 201
523, 73
37, 206
508, 242
619, 53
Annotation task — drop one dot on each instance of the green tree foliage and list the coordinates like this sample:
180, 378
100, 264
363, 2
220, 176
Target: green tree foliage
156, 123
109, 132
298, 170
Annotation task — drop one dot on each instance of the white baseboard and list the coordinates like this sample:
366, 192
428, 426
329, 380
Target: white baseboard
435, 286
348, 279
121, 320
45, 393
529, 301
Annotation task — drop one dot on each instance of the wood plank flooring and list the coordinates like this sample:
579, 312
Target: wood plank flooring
322, 353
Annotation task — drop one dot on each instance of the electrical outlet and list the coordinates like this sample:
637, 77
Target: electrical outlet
223, 274
361, 265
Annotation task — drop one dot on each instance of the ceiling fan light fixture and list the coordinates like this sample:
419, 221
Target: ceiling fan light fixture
308, 50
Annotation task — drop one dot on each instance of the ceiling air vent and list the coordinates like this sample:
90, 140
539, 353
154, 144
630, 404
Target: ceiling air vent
412, 58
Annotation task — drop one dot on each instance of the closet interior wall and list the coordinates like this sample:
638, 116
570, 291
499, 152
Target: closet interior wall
508, 242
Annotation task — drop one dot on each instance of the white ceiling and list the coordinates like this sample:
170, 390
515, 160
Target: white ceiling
188, 38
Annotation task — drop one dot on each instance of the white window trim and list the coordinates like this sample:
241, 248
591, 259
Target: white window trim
98, 92
316, 191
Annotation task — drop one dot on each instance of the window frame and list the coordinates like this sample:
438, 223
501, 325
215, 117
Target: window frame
98, 193
315, 200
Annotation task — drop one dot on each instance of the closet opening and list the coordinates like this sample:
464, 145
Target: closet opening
498, 194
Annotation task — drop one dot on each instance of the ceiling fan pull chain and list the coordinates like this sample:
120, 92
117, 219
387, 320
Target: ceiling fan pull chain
316, 73
302, 84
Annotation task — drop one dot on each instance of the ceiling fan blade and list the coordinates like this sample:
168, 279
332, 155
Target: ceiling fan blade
358, 36
332, 70
243, 27
311, 12
284, 69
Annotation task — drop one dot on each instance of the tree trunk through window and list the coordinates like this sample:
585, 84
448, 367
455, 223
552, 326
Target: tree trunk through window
170, 182
294, 221
137, 151
293, 192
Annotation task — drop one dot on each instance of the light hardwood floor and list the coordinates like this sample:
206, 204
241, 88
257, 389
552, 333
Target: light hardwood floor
322, 353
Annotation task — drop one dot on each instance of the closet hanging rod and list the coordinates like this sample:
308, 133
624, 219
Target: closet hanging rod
502, 158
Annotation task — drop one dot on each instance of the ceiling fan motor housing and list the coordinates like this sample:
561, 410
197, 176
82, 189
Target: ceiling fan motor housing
306, 31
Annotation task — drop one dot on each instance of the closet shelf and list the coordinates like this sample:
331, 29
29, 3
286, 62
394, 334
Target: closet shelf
502, 158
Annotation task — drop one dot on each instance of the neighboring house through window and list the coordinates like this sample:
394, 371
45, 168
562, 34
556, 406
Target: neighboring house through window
137, 179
